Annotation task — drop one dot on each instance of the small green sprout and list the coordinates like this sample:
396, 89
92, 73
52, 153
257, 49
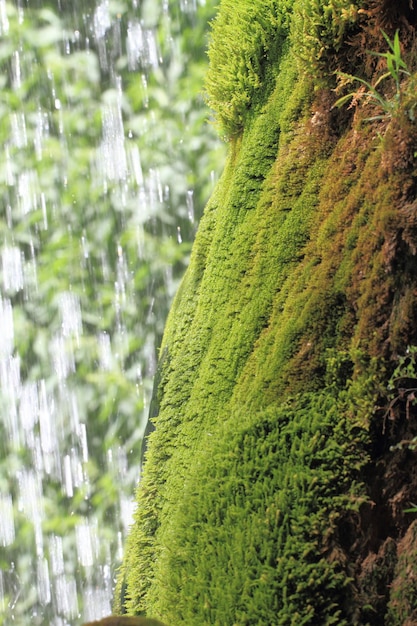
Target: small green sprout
396, 69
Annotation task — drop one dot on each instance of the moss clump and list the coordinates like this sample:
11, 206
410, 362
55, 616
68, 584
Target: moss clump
321, 30
246, 44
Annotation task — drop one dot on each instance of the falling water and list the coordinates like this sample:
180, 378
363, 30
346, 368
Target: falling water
100, 189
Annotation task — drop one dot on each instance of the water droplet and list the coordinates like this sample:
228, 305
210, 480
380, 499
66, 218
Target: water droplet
62, 356
7, 329
101, 24
96, 603
82, 433
67, 476
102, 21
111, 155
16, 71
30, 503
135, 164
66, 596
48, 433
57, 555
27, 186
70, 310
7, 531
188, 6
190, 205
18, 130
41, 133
29, 411
4, 21
85, 540
12, 266
105, 352
43, 582
141, 47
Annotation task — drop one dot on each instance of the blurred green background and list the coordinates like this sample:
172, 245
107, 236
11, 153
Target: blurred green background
108, 160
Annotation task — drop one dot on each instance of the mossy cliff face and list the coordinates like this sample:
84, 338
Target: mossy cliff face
271, 493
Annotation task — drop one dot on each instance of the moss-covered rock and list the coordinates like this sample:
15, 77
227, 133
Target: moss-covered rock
263, 497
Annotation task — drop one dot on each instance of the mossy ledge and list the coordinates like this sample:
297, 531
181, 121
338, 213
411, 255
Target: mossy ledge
274, 490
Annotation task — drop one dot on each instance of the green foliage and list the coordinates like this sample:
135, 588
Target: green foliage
406, 367
402, 387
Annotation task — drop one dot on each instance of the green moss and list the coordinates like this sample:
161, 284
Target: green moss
320, 29
403, 603
249, 543
299, 292
246, 45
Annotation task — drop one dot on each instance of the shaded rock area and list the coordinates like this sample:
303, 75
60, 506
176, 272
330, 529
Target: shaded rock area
386, 564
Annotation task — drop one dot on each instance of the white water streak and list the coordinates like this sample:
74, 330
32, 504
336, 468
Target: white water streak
7, 529
12, 266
